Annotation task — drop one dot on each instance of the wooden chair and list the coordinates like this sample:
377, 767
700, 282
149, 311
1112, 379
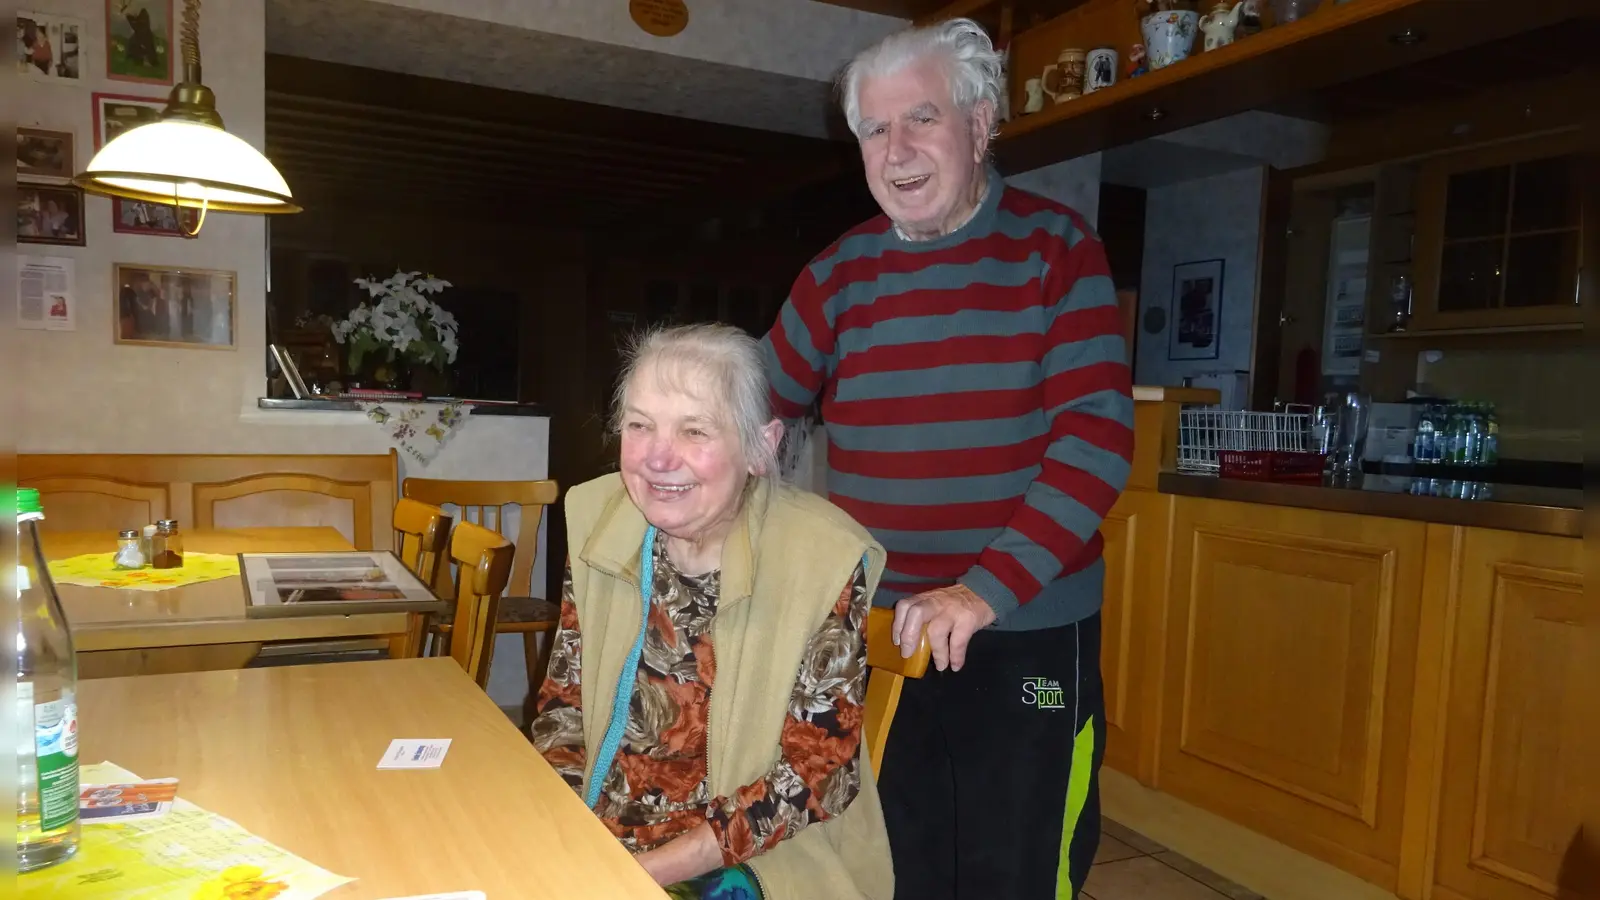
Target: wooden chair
483, 567
481, 502
422, 534
422, 538
887, 672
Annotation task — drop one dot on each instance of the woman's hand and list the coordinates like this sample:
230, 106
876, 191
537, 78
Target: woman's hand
686, 856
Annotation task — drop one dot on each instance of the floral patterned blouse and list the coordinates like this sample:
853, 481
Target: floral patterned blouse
657, 788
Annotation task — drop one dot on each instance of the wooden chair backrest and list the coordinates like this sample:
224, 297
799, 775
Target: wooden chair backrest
887, 671
422, 532
481, 503
95, 503
354, 493
483, 567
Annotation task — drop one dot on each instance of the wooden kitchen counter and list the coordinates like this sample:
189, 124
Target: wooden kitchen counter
1509, 507
1379, 683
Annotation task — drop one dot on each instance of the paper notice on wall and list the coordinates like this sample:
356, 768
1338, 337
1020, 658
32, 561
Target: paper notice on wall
46, 296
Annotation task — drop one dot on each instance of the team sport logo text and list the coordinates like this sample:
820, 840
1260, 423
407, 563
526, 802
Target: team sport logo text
1043, 693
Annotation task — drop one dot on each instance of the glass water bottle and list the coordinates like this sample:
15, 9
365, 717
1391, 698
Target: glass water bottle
47, 707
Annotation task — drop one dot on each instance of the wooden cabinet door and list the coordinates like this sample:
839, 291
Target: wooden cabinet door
1516, 767
1136, 535
1290, 660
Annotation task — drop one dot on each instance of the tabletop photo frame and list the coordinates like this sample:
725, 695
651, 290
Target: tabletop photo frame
322, 583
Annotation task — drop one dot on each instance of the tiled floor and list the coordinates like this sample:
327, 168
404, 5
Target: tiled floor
1130, 866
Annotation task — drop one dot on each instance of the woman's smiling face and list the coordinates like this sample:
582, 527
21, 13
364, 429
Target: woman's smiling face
681, 458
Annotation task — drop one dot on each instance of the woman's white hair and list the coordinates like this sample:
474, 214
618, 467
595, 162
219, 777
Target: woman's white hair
969, 57
721, 359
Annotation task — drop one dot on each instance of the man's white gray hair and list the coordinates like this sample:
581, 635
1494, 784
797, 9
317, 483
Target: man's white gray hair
969, 57
719, 358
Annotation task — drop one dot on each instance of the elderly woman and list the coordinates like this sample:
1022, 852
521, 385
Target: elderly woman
706, 686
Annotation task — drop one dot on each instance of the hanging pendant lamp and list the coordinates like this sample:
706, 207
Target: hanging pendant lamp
185, 158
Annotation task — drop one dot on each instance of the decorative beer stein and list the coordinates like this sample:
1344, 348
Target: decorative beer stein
1063, 79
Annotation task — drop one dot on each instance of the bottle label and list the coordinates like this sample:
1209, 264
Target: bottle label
55, 730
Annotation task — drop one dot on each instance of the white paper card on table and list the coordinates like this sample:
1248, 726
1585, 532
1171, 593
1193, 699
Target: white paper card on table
415, 753
454, 895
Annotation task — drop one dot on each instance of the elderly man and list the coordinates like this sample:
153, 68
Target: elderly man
977, 400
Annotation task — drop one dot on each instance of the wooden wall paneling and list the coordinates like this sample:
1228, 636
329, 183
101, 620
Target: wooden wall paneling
1291, 646
1516, 770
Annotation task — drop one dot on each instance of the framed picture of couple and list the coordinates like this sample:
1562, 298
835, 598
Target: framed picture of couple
166, 306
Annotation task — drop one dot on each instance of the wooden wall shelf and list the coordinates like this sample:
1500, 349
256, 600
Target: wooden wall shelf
1424, 334
1335, 44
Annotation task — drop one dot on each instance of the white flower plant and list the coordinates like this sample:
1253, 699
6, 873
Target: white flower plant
402, 321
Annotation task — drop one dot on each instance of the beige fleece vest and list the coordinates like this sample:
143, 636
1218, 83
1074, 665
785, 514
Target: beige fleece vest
782, 569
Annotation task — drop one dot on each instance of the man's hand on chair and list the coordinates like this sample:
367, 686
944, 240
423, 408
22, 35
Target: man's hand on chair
951, 615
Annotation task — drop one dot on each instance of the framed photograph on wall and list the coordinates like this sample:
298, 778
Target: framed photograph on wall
139, 41
157, 219
46, 154
1195, 327
170, 306
50, 47
116, 113
50, 214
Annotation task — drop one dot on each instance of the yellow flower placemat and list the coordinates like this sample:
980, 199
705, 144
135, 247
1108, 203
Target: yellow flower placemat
187, 854
97, 570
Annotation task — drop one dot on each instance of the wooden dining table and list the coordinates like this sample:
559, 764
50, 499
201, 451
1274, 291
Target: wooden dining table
291, 754
123, 631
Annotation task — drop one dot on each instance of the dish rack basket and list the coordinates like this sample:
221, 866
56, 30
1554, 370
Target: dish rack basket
1241, 444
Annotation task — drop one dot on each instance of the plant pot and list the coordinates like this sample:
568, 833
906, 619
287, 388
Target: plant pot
1169, 36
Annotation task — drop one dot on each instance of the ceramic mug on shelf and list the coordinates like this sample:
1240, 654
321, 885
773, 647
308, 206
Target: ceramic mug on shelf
1100, 69
1169, 36
1035, 92
1063, 79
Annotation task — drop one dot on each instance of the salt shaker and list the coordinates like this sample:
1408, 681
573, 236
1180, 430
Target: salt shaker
129, 555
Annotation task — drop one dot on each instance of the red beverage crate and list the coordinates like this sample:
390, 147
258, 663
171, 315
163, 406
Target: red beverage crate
1270, 465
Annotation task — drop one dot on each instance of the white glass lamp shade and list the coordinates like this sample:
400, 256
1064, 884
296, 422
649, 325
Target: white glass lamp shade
188, 164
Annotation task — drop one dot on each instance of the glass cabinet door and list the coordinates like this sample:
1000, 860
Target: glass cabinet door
1502, 231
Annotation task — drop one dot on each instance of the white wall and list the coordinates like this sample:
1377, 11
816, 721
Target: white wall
1209, 218
84, 394
90, 395
1075, 182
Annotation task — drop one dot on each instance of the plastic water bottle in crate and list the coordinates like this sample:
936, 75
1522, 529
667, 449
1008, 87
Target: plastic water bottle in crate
1263, 446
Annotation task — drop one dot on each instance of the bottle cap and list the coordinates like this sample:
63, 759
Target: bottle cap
28, 501
166, 524
127, 533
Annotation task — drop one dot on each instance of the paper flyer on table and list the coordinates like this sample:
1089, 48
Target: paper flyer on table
46, 297
187, 854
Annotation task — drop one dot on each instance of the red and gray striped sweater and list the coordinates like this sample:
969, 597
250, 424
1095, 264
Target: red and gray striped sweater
977, 397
